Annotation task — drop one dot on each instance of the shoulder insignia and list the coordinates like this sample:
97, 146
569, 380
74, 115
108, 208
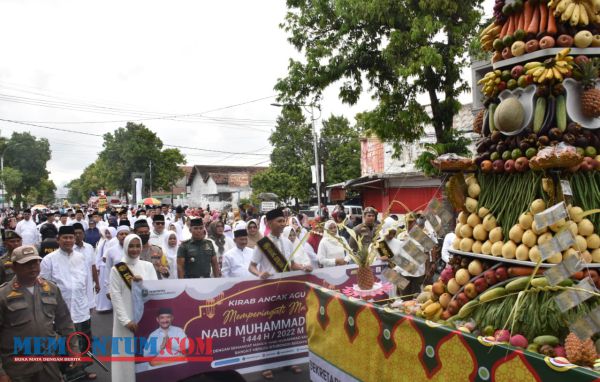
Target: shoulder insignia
14, 294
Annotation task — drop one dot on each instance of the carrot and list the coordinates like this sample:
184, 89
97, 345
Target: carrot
504, 29
520, 21
543, 17
551, 28
522, 271
511, 25
527, 13
534, 26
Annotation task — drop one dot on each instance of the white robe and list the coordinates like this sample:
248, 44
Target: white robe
122, 301
102, 302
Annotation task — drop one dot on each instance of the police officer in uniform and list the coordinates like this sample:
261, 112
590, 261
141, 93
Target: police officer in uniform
366, 229
12, 240
198, 256
30, 306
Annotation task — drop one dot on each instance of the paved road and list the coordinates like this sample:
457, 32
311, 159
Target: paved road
102, 326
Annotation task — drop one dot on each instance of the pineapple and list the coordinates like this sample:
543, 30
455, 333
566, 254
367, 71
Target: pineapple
363, 257
478, 122
580, 352
590, 97
365, 276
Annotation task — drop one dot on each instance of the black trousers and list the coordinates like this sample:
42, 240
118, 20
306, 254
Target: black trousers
86, 328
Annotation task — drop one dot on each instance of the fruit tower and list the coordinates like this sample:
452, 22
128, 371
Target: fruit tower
537, 153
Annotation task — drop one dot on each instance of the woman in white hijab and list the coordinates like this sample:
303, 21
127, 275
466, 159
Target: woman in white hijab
103, 304
295, 223
171, 246
122, 299
301, 255
332, 248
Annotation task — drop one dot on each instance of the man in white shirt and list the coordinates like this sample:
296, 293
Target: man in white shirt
158, 234
278, 249
88, 251
27, 229
165, 333
70, 271
63, 220
79, 218
100, 224
236, 261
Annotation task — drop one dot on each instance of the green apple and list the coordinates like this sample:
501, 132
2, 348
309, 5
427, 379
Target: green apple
583, 39
518, 48
522, 81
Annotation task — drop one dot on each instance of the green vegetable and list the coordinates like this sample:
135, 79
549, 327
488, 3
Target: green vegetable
539, 113
561, 113
546, 340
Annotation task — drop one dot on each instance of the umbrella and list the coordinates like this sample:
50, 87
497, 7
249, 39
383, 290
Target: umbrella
39, 207
151, 201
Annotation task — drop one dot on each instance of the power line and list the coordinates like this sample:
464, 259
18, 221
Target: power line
100, 135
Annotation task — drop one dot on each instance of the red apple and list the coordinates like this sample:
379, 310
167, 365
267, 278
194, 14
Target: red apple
581, 59
507, 53
517, 71
501, 274
490, 277
564, 40
547, 42
498, 166
480, 284
521, 164
509, 166
462, 299
529, 78
501, 86
532, 46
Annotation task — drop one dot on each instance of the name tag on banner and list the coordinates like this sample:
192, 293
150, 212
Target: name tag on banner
566, 188
422, 238
563, 270
550, 215
571, 298
404, 263
564, 240
395, 278
548, 249
411, 248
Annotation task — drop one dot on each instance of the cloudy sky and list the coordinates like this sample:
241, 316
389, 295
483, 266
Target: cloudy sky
91, 66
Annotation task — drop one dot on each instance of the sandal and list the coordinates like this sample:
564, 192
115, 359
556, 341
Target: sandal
91, 376
268, 374
296, 369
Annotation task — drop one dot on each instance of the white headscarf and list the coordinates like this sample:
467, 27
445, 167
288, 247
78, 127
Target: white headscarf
112, 230
126, 258
122, 228
286, 232
262, 227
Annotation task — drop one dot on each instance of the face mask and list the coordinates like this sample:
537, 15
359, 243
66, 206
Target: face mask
145, 238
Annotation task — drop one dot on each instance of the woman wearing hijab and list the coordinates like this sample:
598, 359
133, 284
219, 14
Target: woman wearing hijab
295, 223
103, 304
299, 256
332, 249
223, 243
171, 246
122, 299
253, 235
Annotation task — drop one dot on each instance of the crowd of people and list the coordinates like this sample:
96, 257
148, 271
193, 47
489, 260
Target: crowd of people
91, 260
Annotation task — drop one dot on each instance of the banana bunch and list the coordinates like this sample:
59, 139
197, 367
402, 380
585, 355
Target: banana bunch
556, 68
488, 35
576, 12
489, 82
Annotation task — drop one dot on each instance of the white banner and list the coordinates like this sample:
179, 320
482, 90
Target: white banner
323, 371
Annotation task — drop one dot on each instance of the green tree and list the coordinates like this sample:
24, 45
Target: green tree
271, 180
340, 150
28, 155
131, 149
91, 180
401, 49
44, 193
11, 179
292, 153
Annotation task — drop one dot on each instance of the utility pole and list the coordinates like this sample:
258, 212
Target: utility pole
317, 164
150, 178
